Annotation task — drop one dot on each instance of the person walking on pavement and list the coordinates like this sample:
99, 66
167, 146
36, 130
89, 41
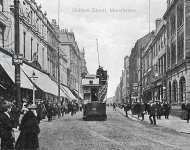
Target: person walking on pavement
188, 111
29, 130
6, 127
152, 113
114, 107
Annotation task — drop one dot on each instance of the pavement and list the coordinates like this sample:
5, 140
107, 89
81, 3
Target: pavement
173, 122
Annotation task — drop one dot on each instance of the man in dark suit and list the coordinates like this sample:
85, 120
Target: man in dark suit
29, 130
6, 127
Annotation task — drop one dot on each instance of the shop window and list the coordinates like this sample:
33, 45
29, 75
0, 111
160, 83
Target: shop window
175, 92
182, 89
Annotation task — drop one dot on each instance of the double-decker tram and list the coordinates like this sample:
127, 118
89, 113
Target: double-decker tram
94, 91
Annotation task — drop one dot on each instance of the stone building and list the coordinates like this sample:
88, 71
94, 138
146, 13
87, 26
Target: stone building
41, 50
125, 80
177, 17
118, 98
154, 65
135, 67
70, 48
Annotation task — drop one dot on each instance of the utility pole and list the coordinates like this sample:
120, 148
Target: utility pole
141, 73
58, 75
58, 53
17, 52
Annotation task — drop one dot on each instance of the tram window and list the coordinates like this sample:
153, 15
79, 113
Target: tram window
94, 95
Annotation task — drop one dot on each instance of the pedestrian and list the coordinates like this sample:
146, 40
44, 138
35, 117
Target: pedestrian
126, 109
29, 130
49, 112
152, 113
114, 107
6, 127
166, 110
188, 111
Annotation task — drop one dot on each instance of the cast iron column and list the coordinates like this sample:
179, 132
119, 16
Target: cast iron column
17, 52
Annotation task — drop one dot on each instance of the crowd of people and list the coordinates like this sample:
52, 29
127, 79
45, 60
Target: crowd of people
154, 109
27, 119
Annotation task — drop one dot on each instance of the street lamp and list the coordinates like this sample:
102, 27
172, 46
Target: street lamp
164, 92
33, 77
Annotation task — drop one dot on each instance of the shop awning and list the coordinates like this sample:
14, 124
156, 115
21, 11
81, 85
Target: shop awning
42, 81
6, 63
69, 94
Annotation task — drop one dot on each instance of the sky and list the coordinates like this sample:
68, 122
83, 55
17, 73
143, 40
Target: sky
117, 24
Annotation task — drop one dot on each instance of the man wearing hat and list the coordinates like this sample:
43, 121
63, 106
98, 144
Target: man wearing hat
29, 130
6, 127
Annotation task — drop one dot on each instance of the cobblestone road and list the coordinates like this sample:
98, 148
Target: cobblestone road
117, 133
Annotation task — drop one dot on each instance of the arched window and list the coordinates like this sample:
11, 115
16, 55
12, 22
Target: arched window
174, 91
182, 89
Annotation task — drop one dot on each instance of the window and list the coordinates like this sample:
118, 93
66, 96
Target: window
168, 56
43, 58
1, 35
37, 50
31, 49
180, 16
24, 44
31, 21
173, 53
180, 46
172, 24
1, 5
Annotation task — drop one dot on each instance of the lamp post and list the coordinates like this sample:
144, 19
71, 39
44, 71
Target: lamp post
164, 93
33, 77
17, 51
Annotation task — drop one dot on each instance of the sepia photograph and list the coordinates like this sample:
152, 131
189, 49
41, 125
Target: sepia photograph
94, 75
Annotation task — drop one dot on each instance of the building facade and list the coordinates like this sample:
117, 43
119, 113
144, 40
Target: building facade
154, 65
125, 80
177, 17
41, 48
135, 67
70, 48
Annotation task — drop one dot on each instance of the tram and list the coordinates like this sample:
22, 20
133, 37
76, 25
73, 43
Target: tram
94, 91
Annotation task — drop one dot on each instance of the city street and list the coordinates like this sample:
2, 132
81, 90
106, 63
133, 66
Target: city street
117, 133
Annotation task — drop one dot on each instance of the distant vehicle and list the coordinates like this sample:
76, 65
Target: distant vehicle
95, 90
